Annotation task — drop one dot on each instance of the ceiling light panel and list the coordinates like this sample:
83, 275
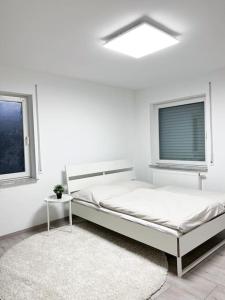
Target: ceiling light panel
140, 41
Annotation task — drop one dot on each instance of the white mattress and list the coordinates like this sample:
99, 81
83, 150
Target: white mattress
131, 218
170, 209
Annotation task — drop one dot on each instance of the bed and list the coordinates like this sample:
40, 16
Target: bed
121, 212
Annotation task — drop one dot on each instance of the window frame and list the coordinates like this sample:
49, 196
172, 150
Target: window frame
27, 162
172, 103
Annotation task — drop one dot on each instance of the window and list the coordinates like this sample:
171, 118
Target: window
180, 127
182, 132
16, 152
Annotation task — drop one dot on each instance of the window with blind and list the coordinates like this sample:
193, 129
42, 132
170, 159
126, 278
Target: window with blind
182, 132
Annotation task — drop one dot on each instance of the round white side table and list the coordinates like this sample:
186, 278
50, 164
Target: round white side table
53, 200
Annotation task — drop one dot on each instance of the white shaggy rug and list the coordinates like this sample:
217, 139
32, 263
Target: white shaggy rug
91, 263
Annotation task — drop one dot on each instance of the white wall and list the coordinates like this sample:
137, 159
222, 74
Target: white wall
84, 122
79, 122
216, 174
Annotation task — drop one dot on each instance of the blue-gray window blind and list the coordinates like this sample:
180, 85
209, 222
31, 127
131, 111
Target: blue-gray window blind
182, 132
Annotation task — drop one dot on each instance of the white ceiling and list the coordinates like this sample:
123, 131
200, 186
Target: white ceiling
64, 37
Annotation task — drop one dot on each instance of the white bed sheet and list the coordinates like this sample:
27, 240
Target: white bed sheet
180, 211
131, 218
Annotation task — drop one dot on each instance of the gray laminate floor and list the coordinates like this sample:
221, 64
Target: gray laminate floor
206, 281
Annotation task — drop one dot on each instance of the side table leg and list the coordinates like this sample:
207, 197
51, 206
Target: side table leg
70, 216
48, 219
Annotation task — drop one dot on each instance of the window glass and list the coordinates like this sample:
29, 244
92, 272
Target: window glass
182, 132
11, 137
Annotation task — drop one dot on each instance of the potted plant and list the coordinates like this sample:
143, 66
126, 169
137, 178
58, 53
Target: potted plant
58, 189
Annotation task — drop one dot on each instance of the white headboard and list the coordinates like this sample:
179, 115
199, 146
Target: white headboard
83, 175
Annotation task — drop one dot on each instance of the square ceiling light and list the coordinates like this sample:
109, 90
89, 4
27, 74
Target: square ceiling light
141, 40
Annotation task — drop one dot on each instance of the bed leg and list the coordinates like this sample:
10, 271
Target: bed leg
179, 267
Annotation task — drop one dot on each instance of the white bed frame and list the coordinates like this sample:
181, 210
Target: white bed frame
81, 176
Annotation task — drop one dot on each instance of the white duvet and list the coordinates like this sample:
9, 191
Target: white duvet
178, 211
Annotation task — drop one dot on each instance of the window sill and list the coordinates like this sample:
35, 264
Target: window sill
16, 182
180, 167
